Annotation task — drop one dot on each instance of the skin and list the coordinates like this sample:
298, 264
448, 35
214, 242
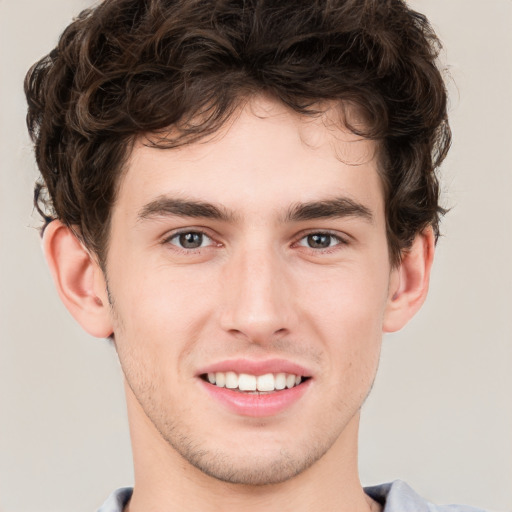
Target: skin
257, 288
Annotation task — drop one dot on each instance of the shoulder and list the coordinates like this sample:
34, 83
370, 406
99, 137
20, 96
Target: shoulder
397, 496
117, 500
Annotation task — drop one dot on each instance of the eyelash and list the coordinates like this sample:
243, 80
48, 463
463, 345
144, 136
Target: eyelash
177, 234
339, 241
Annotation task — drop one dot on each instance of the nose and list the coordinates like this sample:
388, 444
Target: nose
258, 301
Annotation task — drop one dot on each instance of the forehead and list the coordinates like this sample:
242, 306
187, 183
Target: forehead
264, 158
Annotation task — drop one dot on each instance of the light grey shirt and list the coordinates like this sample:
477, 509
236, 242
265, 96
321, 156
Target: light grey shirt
395, 497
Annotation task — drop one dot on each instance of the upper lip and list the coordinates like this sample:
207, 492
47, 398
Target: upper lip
254, 367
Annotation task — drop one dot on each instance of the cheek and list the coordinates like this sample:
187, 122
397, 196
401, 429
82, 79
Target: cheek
158, 318
154, 300
346, 310
349, 299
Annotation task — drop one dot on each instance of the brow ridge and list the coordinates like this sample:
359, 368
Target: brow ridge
331, 208
163, 206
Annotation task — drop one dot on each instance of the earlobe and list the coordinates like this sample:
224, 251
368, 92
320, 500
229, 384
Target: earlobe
409, 282
78, 278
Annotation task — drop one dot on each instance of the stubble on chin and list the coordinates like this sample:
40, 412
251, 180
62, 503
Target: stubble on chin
249, 470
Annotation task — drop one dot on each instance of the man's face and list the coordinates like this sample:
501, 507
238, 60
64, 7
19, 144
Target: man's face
259, 253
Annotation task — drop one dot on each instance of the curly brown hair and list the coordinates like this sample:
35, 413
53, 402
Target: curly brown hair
129, 67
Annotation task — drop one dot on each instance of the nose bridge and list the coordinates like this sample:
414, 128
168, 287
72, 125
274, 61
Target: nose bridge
256, 294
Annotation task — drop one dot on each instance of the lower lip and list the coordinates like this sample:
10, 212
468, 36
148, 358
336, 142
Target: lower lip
257, 405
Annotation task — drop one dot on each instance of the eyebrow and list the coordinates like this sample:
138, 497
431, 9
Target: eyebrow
330, 208
164, 206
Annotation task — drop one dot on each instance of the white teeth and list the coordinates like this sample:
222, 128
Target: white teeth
231, 380
246, 382
280, 380
265, 382
220, 379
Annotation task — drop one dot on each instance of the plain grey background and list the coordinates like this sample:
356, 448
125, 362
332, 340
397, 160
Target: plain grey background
440, 415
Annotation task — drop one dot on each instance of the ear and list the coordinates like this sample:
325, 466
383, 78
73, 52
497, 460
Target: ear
409, 282
78, 278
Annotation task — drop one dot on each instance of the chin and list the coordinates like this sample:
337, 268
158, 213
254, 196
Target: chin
264, 465
255, 472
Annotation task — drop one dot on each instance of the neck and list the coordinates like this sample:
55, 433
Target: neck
166, 481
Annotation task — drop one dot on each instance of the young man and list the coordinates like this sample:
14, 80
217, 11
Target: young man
242, 196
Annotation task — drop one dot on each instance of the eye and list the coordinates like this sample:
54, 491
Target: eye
320, 241
190, 240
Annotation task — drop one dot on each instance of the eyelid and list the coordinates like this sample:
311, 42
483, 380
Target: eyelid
166, 239
342, 238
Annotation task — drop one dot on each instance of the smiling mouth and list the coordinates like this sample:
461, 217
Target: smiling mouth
247, 383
